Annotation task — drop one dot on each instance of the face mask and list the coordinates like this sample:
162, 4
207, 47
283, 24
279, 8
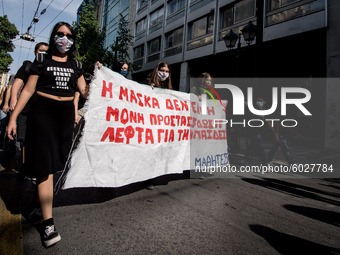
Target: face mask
124, 72
259, 103
163, 75
63, 44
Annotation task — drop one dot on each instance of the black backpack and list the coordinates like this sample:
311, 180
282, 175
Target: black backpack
28, 66
40, 57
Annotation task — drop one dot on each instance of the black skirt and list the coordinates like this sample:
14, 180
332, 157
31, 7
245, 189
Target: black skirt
21, 127
48, 135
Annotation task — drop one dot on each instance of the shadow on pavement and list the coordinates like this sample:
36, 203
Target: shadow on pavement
329, 217
289, 188
288, 244
17, 194
9, 192
298, 186
98, 195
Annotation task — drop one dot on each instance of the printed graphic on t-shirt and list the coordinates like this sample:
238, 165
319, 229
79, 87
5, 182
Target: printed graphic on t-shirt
62, 76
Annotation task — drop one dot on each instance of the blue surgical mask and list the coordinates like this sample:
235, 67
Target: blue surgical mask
124, 72
259, 103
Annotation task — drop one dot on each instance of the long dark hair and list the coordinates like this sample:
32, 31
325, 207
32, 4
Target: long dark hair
154, 78
71, 53
37, 46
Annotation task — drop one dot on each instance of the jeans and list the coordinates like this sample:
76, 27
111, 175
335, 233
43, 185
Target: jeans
284, 147
257, 144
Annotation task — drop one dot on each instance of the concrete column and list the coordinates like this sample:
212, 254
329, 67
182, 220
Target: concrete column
184, 81
332, 134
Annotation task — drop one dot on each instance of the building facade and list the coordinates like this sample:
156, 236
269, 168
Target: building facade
111, 10
4, 78
108, 15
296, 38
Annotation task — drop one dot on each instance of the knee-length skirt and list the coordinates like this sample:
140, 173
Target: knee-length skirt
48, 135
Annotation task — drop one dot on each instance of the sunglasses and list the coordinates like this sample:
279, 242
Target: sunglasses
62, 34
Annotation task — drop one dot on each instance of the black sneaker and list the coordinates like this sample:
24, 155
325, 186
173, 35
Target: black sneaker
50, 235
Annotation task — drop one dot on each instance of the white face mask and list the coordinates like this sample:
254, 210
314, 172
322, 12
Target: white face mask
163, 75
63, 44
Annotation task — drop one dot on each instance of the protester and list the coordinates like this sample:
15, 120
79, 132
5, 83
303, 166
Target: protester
161, 76
51, 85
258, 134
206, 79
124, 70
279, 142
122, 67
20, 81
204, 82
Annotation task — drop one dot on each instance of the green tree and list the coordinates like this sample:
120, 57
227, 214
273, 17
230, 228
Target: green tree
8, 31
89, 38
120, 48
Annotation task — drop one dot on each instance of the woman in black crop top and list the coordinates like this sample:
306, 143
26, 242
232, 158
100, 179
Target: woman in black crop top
51, 85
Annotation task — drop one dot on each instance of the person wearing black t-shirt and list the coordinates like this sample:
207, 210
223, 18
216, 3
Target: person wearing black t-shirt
51, 85
21, 78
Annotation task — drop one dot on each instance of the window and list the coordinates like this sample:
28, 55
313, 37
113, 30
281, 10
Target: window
175, 5
244, 10
275, 4
141, 26
296, 11
110, 38
201, 27
138, 52
239, 12
174, 38
201, 32
154, 46
227, 17
141, 3
125, 4
173, 42
156, 16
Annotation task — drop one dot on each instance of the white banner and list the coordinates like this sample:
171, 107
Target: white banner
133, 133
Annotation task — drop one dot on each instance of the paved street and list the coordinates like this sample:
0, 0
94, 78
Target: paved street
241, 215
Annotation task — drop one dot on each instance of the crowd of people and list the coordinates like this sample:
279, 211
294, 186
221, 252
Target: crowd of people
43, 108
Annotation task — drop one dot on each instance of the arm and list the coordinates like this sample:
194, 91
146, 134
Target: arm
14, 94
83, 87
5, 108
2, 94
25, 95
76, 102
